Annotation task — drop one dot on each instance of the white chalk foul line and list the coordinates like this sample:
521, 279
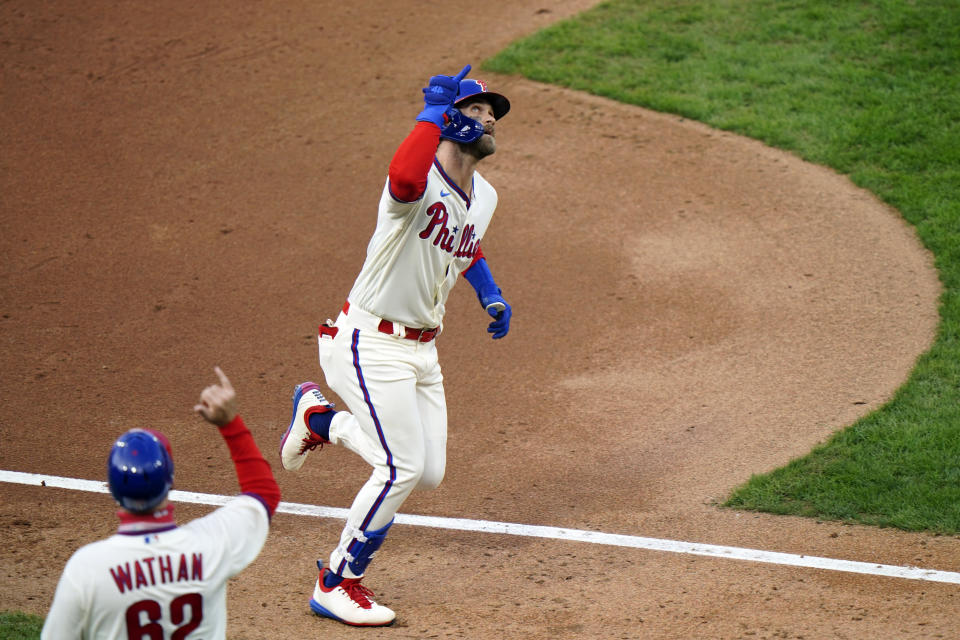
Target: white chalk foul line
534, 531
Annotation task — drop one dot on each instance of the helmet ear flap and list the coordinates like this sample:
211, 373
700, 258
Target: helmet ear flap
140, 470
460, 128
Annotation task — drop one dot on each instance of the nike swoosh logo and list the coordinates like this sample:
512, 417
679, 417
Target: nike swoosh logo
444, 194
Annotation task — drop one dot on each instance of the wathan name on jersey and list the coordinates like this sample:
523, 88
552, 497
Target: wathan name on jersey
154, 570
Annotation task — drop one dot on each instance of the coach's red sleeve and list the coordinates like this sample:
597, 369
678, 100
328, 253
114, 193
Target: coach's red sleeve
253, 471
411, 162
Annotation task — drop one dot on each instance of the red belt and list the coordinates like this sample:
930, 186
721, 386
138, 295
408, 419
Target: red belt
387, 327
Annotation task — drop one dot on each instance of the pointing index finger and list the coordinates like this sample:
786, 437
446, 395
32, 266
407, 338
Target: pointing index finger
224, 381
463, 74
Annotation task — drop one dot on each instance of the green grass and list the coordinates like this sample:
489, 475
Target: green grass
871, 89
19, 626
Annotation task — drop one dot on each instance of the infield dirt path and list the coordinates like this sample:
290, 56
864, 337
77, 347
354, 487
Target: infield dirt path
184, 186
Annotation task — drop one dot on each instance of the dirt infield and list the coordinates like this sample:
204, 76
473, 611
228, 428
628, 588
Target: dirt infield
185, 186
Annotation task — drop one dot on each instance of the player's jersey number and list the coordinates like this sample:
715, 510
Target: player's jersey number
143, 617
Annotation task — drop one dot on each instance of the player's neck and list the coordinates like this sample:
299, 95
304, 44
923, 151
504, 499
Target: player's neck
459, 166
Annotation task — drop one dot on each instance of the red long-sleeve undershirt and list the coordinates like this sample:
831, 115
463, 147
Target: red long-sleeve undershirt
411, 163
253, 471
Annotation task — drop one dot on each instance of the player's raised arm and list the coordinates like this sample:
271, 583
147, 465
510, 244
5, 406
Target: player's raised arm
412, 160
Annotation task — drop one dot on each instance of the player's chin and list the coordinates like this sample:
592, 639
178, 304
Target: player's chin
486, 145
482, 147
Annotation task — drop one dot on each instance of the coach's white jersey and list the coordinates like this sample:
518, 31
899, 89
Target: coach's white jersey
419, 249
159, 582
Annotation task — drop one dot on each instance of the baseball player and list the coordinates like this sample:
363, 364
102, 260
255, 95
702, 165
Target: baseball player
154, 579
380, 355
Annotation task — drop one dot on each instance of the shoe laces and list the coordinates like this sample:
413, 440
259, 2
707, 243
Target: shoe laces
358, 593
310, 443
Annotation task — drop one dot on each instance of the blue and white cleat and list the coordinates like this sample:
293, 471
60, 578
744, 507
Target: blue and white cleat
298, 439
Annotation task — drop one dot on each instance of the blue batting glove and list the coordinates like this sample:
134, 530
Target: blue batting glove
439, 96
500, 311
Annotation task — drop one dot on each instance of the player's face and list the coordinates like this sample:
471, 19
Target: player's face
482, 112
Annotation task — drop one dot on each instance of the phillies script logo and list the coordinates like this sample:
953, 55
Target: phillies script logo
445, 237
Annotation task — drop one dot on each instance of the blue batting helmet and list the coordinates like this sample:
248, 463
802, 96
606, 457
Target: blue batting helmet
470, 88
140, 470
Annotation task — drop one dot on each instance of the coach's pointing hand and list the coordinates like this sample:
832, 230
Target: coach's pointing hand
218, 402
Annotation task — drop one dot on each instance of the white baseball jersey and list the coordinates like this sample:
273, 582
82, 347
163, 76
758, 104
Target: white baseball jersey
419, 249
158, 581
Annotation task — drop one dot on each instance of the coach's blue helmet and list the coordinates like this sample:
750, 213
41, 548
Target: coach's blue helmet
470, 88
140, 470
